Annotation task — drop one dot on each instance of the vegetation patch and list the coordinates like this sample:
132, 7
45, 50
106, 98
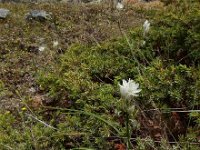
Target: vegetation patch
100, 89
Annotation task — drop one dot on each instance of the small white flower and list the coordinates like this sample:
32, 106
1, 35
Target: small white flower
32, 90
55, 43
146, 26
42, 48
143, 43
119, 6
129, 88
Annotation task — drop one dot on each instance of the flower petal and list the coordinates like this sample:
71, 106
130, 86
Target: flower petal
129, 88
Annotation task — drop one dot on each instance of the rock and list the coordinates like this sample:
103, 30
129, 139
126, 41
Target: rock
32, 90
33, 49
38, 15
4, 13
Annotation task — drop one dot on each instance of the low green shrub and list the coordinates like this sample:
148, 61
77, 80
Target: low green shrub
173, 85
174, 34
164, 61
83, 85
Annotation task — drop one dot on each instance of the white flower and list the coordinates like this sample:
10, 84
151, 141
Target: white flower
146, 26
32, 90
42, 48
119, 6
143, 43
55, 43
129, 88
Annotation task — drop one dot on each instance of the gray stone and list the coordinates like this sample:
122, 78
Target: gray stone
38, 15
4, 13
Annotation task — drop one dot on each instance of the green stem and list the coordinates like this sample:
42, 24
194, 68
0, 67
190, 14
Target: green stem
128, 132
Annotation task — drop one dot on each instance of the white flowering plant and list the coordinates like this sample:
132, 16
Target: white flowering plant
128, 90
146, 27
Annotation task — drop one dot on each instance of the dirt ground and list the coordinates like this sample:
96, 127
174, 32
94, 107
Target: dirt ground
21, 40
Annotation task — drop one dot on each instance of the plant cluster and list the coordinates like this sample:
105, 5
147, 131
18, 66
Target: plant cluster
83, 105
